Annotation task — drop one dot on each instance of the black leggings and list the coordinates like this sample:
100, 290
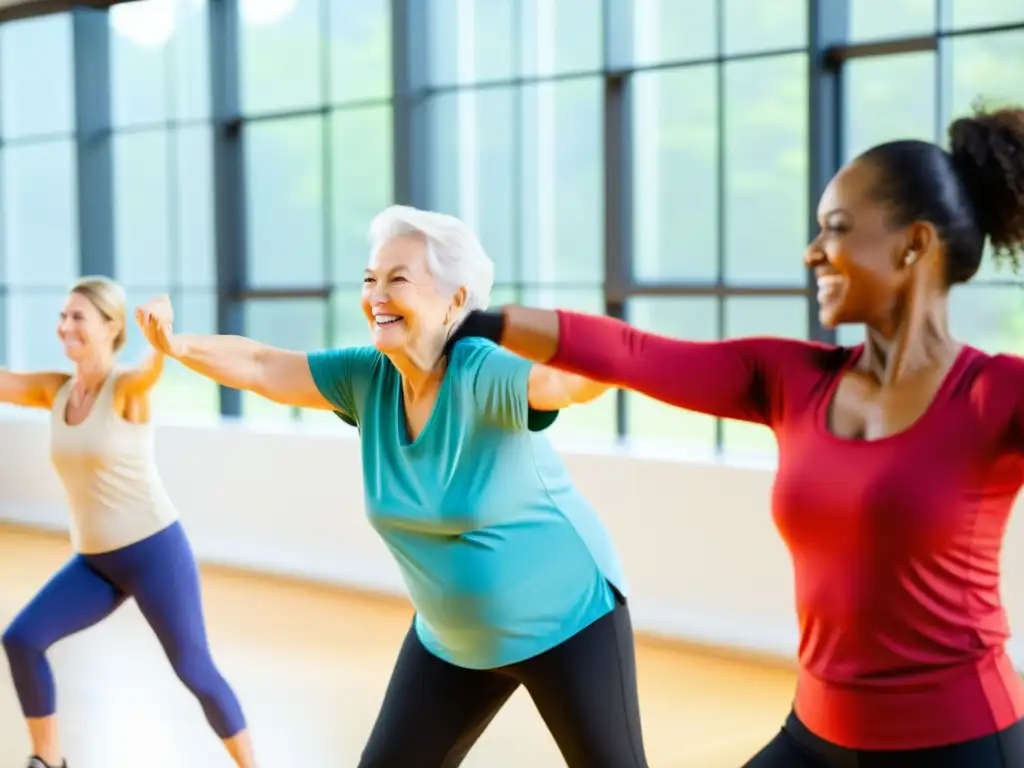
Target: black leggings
585, 690
797, 747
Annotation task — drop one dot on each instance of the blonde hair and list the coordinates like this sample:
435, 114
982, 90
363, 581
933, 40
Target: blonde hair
110, 301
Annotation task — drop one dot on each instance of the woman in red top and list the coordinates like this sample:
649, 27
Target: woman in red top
899, 459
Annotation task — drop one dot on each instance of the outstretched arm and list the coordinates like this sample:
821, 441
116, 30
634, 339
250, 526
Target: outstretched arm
550, 389
732, 379
280, 375
32, 390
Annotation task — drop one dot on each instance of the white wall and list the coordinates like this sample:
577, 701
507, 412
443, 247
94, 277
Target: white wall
696, 538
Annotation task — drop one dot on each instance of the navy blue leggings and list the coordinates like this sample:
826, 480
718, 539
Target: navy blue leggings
160, 573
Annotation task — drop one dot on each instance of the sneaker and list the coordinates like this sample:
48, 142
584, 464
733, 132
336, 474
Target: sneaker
37, 762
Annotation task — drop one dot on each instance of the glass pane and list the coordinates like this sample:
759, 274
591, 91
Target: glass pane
766, 170
181, 391
32, 330
158, 61
562, 37
987, 66
562, 228
5, 329
473, 156
360, 49
675, 174
140, 33
983, 65
898, 18
193, 200
962, 14
142, 225
760, 316
595, 419
850, 334
469, 42
281, 51
668, 30
888, 98
505, 294
136, 347
190, 64
650, 421
36, 77
753, 25
39, 223
284, 170
349, 326
361, 183
298, 324
988, 317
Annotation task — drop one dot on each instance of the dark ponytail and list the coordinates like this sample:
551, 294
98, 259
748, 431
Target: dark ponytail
988, 154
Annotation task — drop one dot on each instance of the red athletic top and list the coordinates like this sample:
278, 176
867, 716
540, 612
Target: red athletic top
895, 542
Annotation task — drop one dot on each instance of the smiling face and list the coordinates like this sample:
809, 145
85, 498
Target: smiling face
404, 303
83, 330
860, 258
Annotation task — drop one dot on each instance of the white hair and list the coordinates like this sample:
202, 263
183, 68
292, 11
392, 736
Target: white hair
455, 256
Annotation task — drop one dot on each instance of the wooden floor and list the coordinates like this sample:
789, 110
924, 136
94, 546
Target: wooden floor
310, 665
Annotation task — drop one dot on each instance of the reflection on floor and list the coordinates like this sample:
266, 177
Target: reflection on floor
310, 665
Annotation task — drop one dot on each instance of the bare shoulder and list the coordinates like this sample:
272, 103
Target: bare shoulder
131, 402
46, 385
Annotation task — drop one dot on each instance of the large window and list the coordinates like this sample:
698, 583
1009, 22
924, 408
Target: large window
656, 160
719, 113
38, 188
317, 141
163, 177
515, 149
522, 165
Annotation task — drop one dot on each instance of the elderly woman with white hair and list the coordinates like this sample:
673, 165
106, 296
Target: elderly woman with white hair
513, 578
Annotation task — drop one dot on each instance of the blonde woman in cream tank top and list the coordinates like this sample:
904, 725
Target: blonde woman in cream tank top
128, 541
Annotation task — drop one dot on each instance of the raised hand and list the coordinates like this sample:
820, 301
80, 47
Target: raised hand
156, 320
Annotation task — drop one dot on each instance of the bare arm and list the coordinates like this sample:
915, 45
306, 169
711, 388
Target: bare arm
550, 389
32, 390
233, 361
138, 381
280, 375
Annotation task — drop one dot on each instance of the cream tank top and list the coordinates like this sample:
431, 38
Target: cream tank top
108, 468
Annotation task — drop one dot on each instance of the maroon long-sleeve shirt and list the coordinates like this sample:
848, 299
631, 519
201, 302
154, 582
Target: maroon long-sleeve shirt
895, 542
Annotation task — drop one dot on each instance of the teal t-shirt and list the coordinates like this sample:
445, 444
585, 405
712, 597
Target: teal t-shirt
502, 556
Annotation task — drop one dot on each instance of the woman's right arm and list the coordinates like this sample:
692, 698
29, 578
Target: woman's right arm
277, 374
735, 379
32, 390
280, 375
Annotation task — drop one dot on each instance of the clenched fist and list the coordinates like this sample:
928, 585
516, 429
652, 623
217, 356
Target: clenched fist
156, 319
